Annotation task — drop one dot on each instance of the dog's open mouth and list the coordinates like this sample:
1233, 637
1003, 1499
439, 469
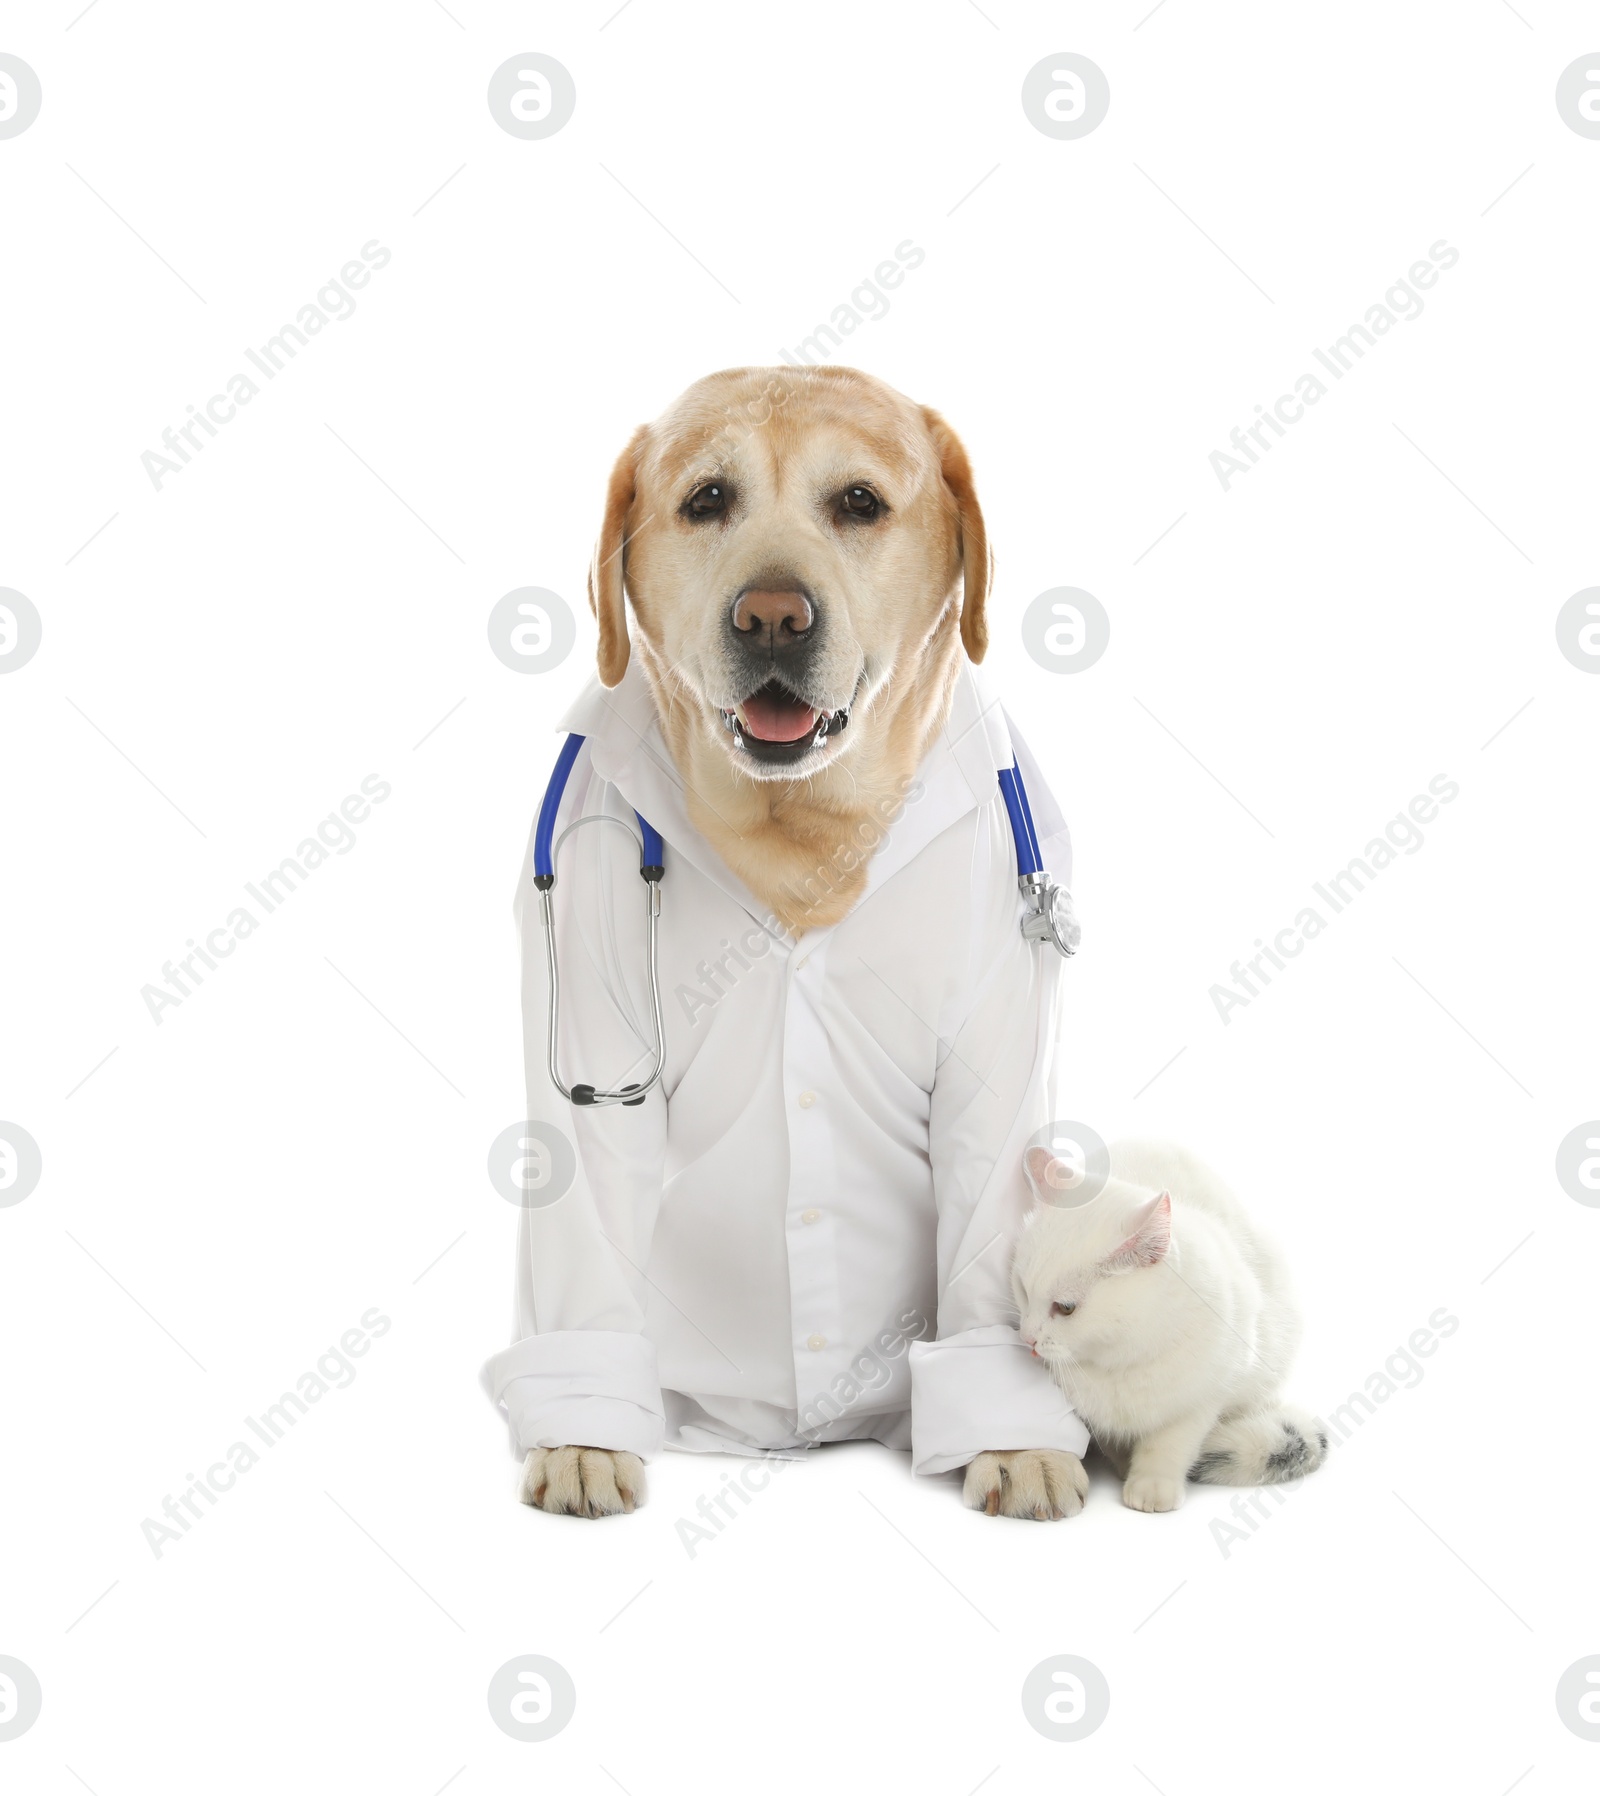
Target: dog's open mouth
773, 725
773, 714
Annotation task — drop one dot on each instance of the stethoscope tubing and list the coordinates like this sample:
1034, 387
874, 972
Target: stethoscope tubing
587, 1096
1031, 876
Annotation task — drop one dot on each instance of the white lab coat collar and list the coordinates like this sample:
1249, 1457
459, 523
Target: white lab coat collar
959, 773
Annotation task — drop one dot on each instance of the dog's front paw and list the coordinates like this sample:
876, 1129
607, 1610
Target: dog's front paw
1038, 1484
588, 1481
1152, 1493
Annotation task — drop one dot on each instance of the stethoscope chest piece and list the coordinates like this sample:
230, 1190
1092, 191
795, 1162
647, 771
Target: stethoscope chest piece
1049, 916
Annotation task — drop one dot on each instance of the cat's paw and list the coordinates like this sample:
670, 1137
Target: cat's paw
591, 1481
1152, 1493
1038, 1484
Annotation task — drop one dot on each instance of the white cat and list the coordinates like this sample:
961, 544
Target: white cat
1167, 1319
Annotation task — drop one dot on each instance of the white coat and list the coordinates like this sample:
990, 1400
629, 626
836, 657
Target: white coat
804, 1233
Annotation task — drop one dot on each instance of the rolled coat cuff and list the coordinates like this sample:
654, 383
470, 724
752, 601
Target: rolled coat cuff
579, 1388
982, 1391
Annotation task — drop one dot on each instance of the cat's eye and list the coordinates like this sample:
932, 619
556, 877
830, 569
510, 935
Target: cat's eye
1062, 1309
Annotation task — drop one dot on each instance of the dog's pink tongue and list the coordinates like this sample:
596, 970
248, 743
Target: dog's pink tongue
775, 718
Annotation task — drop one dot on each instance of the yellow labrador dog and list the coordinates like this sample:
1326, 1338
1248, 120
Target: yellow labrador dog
797, 544
805, 556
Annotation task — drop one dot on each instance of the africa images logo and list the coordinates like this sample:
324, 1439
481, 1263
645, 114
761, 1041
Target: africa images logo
333, 304
334, 835
1402, 303
1402, 835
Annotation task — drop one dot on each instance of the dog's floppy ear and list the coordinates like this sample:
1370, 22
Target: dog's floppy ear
974, 540
606, 585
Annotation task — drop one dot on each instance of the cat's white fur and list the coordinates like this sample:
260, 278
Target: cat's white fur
1183, 1324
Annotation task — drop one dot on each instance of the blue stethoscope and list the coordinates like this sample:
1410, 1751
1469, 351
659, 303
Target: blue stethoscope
1049, 916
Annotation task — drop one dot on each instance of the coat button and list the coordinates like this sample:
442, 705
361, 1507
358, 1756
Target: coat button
817, 1343
809, 1215
807, 1099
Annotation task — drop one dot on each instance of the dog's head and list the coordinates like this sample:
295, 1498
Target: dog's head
790, 540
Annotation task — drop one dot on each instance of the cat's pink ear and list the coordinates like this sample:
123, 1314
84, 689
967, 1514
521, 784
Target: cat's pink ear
1151, 1237
1037, 1163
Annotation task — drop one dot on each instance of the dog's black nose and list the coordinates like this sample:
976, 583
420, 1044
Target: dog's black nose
772, 617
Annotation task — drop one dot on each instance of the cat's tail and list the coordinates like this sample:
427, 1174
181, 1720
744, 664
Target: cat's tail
1263, 1446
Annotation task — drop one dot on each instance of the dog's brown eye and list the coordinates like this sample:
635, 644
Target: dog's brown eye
1062, 1309
860, 502
707, 501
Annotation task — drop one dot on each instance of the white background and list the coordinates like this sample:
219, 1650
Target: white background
305, 1136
